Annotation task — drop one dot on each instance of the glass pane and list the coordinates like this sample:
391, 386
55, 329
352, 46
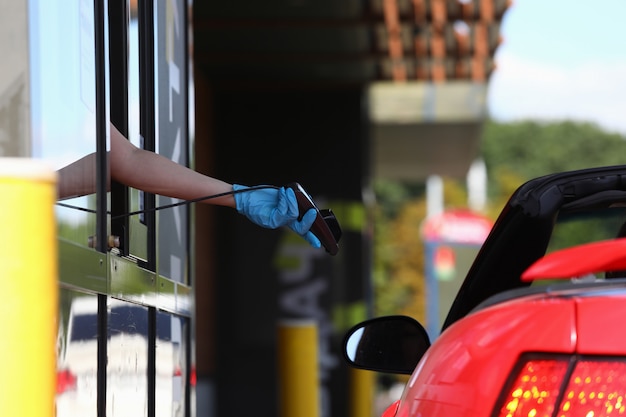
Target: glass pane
77, 359
63, 124
127, 366
172, 132
171, 365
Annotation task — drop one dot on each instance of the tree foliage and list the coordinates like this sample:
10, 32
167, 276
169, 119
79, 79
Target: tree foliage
529, 149
399, 249
513, 153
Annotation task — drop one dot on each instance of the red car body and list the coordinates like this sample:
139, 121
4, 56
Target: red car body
467, 368
521, 345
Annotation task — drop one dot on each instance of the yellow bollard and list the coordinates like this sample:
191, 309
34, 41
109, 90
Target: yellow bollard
362, 392
28, 273
298, 369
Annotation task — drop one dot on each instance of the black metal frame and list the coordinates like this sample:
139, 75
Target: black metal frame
111, 51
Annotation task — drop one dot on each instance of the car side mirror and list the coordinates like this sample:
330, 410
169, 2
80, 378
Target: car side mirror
391, 344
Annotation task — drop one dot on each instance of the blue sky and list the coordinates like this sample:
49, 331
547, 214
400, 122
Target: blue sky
562, 59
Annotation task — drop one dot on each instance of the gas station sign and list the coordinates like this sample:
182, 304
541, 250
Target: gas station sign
459, 226
444, 235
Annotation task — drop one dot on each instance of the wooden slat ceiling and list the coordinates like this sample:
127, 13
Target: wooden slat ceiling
355, 41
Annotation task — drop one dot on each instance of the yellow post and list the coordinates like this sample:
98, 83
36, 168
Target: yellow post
298, 369
29, 293
362, 392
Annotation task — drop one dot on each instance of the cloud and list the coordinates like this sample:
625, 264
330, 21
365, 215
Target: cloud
593, 91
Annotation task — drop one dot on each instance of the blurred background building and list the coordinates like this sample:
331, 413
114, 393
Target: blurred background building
331, 94
424, 65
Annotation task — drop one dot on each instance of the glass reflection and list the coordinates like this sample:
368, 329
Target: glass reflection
171, 365
77, 359
171, 91
63, 99
127, 365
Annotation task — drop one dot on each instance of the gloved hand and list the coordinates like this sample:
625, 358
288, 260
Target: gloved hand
273, 208
302, 227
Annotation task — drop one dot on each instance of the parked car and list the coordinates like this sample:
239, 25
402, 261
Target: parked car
536, 326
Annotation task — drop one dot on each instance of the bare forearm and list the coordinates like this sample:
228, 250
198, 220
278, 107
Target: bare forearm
78, 178
156, 174
143, 170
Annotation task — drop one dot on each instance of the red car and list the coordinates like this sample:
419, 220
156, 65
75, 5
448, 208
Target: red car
536, 327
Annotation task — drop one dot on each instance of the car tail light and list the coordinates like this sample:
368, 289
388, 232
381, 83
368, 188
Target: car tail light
66, 381
566, 387
596, 386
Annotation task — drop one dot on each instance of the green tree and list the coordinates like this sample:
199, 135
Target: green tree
528, 149
398, 246
513, 153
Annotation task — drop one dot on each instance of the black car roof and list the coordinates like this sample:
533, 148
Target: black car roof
522, 232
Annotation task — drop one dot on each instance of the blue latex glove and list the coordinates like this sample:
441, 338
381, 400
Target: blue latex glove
302, 227
275, 207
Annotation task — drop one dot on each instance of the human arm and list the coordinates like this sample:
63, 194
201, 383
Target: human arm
78, 178
143, 170
154, 173
266, 206
269, 207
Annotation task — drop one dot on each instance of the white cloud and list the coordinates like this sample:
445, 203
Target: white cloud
525, 89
